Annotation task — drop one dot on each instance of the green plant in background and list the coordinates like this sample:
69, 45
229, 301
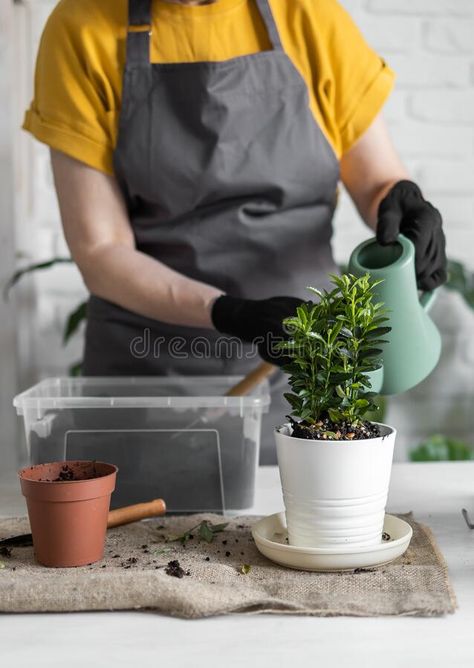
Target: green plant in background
439, 448
74, 319
333, 346
461, 280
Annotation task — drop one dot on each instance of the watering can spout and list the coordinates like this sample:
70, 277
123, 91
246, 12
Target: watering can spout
413, 345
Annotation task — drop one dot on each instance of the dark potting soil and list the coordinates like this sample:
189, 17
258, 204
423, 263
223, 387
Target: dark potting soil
339, 432
67, 473
175, 570
364, 570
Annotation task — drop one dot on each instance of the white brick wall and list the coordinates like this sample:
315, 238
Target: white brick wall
448, 36
420, 8
8, 343
430, 44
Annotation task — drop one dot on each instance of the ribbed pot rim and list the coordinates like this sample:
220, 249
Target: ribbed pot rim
360, 441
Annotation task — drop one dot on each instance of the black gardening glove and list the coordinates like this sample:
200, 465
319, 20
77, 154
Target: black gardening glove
405, 210
258, 321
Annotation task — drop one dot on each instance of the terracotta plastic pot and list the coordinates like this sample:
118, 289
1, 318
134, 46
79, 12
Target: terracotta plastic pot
335, 492
68, 517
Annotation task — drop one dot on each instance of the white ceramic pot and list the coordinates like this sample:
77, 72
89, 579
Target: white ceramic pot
335, 492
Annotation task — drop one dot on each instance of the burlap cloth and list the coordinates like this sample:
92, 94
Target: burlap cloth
132, 576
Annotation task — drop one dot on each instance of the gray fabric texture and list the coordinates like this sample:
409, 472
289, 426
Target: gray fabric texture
416, 584
227, 179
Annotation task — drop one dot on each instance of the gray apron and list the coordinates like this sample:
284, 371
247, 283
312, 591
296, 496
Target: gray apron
227, 179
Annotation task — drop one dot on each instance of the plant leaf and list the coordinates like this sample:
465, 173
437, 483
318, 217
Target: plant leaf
205, 532
340, 392
31, 268
378, 331
372, 352
75, 369
74, 320
217, 528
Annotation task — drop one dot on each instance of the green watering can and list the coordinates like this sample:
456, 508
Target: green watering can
414, 344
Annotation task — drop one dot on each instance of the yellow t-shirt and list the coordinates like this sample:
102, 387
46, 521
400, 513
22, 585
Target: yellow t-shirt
78, 80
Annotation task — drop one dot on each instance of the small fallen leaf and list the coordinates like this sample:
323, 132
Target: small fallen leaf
163, 550
205, 532
215, 528
245, 569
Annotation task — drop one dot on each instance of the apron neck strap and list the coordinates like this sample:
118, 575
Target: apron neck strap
139, 29
139, 12
271, 26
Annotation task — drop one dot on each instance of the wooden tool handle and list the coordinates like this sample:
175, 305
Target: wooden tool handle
252, 379
140, 511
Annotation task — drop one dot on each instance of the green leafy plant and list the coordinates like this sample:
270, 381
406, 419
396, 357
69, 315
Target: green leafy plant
333, 346
461, 280
39, 266
439, 448
74, 319
205, 531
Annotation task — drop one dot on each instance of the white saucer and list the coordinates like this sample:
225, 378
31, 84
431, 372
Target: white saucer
270, 537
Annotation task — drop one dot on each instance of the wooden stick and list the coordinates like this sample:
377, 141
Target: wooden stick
251, 380
117, 517
139, 511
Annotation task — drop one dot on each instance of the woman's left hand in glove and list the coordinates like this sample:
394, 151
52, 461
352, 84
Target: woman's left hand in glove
404, 210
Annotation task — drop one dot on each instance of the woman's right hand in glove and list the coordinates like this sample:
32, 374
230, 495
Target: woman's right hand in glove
258, 321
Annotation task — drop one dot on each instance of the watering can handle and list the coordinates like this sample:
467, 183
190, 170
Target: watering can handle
428, 298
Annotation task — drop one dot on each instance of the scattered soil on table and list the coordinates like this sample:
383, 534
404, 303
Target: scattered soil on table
175, 569
365, 570
326, 430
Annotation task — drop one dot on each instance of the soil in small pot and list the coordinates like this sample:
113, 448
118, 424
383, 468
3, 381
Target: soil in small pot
72, 471
325, 430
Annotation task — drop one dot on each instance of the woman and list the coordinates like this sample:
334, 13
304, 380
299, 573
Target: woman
196, 150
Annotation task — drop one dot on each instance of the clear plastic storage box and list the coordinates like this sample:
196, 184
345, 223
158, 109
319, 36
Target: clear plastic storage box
178, 438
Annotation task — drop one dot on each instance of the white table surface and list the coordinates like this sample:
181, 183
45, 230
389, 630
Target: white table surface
435, 492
